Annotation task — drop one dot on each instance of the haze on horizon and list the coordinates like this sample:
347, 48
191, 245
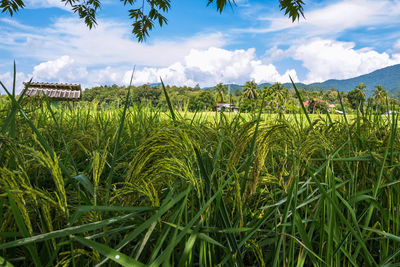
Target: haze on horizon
252, 41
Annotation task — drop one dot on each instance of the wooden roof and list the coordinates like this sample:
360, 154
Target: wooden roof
55, 91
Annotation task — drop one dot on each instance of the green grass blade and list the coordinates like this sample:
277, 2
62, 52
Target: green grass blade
109, 179
110, 253
163, 209
301, 102
185, 230
385, 234
85, 182
251, 152
5, 263
171, 109
14, 109
66, 232
61, 135
189, 245
83, 209
22, 228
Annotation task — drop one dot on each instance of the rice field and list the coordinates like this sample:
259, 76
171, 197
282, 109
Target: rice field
137, 186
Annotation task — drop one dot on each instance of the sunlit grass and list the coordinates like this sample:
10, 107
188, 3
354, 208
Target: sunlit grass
81, 186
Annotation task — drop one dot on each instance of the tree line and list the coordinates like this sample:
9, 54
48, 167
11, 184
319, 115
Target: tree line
277, 97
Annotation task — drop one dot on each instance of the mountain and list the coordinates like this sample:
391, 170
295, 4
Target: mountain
389, 77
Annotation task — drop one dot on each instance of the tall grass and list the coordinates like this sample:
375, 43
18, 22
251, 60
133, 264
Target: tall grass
135, 186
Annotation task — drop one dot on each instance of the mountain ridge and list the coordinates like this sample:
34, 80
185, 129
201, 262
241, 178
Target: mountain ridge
389, 77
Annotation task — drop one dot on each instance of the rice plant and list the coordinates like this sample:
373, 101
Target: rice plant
136, 186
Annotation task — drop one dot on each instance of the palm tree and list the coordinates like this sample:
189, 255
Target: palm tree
221, 91
360, 94
280, 93
380, 94
250, 90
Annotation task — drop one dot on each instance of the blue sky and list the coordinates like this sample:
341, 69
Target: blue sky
252, 41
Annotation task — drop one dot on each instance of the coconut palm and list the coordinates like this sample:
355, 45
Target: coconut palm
250, 90
360, 94
380, 94
361, 88
280, 94
221, 91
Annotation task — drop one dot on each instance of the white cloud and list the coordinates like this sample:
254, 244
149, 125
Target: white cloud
61, 68
214, 65
335, 17
268, 73
324, 59
396, 47
274, 54
65, 69
7, 79
70, 52
110, 43
34, 4
204, 67
327, 59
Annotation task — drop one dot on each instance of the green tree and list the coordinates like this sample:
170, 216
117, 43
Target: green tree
379, 98
148, 94
280, 94
380, 94
250, 90
145, 14
317, 105
203, 101
248, 104
221, 90
331, 95
357, 96
105, 95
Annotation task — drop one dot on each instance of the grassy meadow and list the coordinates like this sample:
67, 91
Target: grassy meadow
136, 186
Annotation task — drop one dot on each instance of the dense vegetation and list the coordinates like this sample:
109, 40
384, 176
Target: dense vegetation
279, 98
135, 185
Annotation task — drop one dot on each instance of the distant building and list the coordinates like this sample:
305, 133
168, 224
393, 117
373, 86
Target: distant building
226, 107
55, 91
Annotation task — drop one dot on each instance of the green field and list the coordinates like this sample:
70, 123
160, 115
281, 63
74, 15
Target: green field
139, 186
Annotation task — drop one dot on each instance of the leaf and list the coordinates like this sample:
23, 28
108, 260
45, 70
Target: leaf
388, 235
22, 227
82, 209
5, 263
117, 142
171, 109
85, 182
110, 253
65, 232
163, 209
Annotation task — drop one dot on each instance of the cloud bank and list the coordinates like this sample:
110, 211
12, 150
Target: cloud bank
329, 59
67, 51
323, 58
204, 67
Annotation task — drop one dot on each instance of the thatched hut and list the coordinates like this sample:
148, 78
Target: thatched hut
55, 91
